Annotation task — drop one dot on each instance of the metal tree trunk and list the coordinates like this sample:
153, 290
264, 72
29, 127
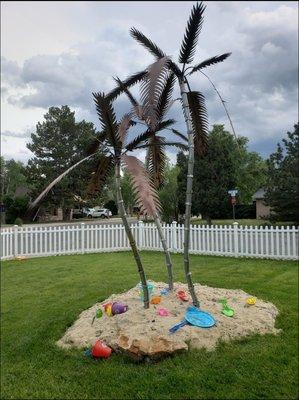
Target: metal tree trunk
188, 203
157, 219
122, 212
166, 252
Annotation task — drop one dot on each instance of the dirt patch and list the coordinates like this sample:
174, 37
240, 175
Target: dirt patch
139, 331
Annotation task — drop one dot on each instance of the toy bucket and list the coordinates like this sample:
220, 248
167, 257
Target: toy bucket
150, 287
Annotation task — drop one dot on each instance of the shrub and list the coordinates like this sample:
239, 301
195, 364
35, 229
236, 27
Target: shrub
19, 221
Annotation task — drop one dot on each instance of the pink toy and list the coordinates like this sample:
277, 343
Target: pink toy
163, 312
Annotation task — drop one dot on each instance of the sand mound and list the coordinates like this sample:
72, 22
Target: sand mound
144, 333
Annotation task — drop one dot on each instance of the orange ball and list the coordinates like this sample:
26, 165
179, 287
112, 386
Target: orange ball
156, 300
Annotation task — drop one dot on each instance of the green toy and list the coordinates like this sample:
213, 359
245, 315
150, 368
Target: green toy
99, 314
226, 310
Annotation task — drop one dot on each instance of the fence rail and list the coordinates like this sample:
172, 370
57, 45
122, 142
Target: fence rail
230, 240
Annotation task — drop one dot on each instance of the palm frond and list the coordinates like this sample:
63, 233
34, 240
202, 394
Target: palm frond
137, 108
98, 141
154, 49
165, 97
123, 127
151, 89
100, 175
139, 139
135, 78
43, 194
144, 41
210, 61
191, 34
180, 145
107, 118
179, 134
124, 89
156, 161
148, 133
146, 194
199, 119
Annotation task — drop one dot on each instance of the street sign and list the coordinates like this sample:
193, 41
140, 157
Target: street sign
233, 200
233, 192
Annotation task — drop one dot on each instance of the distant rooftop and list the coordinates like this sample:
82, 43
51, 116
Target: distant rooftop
259, 194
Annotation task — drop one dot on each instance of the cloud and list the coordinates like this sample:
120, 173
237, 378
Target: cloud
16, 134
259, 80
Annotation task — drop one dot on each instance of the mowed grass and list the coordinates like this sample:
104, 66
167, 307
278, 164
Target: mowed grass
41, 297
241, 222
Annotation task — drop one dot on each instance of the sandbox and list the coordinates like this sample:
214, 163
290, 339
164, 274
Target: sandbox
145, 334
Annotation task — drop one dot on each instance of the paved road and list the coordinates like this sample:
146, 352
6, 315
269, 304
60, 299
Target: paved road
96, 221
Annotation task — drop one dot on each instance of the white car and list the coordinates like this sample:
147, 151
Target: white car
97, 213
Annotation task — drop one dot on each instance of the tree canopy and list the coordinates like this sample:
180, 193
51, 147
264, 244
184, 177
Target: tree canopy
59, 142
227, 165
13, 175
283, 179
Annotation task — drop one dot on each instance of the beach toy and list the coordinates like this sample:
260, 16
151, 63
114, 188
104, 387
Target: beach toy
163, 312
119, 308
164, 292
87, 353
156, 300
251, 301
99, 314
108, 309
194, 316
182, 295
150, 287
100, 350
226, 310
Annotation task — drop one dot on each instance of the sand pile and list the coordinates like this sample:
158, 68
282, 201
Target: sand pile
143, 333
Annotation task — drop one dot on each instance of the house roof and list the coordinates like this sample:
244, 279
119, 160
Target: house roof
259, 194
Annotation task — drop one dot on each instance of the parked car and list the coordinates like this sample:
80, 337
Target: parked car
78, 213
97, 213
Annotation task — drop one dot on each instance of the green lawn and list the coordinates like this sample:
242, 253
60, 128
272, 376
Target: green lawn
244, 222
42, 297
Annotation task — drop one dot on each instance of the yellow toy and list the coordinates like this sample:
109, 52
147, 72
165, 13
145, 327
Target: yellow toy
251, 301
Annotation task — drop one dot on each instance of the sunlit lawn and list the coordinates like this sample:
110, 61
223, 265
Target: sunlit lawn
42, 297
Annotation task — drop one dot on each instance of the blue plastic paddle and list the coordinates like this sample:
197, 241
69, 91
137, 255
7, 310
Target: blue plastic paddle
195, 317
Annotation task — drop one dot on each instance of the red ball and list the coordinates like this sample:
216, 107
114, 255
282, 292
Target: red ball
100, 350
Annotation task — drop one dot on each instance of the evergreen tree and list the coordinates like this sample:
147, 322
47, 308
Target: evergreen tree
283, 179
226, 165
58, 143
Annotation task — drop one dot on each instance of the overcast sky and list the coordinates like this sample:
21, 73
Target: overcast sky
57, 53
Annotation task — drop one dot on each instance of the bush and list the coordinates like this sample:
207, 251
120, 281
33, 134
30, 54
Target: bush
111, 205
15, 208
19, 221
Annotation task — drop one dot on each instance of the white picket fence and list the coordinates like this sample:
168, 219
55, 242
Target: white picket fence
231, 240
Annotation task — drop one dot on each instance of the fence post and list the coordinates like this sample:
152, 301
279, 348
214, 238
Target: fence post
140, 234
82, 237
236, 239
15, 236
174, 244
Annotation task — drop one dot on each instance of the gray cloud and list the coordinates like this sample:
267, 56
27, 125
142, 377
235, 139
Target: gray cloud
259, 80
15, 134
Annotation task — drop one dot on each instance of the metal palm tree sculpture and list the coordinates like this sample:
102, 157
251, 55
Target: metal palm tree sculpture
156, 157
193, 104
111, 149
